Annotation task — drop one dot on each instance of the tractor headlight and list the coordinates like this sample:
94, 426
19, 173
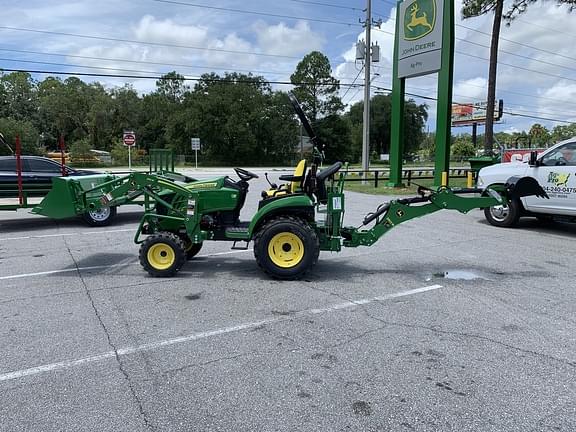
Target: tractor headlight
480, 182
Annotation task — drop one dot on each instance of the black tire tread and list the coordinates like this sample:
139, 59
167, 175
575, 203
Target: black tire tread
515, 209
279, 220
179, 250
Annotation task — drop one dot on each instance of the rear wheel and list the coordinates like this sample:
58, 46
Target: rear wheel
162, 254
101, 217
286, 247
504, 215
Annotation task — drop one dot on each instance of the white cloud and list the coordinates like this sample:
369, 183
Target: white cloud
286, 40
167, 31
471, 90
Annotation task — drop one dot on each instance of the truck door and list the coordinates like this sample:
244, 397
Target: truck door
556, 173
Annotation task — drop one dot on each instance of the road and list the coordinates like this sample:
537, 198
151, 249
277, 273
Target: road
446, 324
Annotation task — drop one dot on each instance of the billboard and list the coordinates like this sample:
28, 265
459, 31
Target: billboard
468, 114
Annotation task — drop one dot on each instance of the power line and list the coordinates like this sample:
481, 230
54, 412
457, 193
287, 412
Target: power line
113, 68
110, 39
507, 104
326, 4
526, 95
519, 55
158, 77
545, 28
144, 62
518, 67
504, 112
355, 79
519, 43
242, 11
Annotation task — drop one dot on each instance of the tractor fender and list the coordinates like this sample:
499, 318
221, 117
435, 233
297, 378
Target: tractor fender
294, 205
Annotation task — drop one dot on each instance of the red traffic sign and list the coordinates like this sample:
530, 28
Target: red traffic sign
129, 138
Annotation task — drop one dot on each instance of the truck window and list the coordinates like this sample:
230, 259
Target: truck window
562, 156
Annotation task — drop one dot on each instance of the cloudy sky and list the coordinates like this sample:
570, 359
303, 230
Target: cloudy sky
537, 71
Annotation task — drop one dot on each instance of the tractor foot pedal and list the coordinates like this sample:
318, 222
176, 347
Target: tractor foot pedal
242, 247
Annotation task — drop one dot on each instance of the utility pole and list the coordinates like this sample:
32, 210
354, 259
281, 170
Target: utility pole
367, 59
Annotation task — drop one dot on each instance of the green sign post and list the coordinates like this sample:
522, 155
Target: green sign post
424, 44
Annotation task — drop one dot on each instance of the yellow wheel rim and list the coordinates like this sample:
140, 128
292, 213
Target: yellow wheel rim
161, 256
286, 250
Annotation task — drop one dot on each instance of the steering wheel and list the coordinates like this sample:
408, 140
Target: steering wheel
245, 174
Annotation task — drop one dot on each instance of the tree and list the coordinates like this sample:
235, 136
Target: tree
539, 135
335, 133
172, 85
18, 91
29, 137
64, 107
474, 8
560, 133
315, 87
415, 117
462, 148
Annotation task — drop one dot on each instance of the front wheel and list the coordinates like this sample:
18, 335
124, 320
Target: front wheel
286, 248
190, 248
162, 254
504, 215
101, 217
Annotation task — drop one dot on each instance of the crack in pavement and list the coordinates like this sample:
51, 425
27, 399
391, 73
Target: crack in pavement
565, 362
121, 367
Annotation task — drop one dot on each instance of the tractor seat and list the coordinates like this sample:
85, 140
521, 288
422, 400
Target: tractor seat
295, 180
321, 178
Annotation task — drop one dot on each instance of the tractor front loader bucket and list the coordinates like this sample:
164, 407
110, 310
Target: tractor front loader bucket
67, 197
518, 187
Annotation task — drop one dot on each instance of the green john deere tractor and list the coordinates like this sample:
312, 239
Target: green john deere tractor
294, 221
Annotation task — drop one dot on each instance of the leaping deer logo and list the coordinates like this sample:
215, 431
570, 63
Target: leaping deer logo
417, 20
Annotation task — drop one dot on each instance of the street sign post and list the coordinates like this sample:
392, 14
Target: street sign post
129, 140
196, 147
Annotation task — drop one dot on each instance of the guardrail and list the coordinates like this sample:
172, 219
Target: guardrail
408, 174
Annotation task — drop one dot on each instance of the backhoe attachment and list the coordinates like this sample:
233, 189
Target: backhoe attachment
395, 212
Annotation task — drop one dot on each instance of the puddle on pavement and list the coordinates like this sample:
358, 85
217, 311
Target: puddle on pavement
458, 275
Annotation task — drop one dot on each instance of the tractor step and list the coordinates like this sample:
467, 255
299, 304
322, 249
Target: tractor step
238, 233
244, 247
236, 230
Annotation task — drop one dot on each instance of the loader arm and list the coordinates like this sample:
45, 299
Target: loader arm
127, 188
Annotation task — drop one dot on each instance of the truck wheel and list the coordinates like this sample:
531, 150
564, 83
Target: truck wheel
286, 248
162, 254
504, 215
101, 217
190, 248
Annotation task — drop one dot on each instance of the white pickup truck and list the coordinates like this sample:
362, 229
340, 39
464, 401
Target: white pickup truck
555, 171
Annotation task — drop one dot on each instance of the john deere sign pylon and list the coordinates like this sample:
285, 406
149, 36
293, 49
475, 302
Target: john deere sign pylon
424, 44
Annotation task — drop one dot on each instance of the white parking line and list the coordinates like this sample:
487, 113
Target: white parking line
204, 335
67, 234
72, 270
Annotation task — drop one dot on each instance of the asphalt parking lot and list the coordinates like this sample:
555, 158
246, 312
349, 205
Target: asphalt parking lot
446, 324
